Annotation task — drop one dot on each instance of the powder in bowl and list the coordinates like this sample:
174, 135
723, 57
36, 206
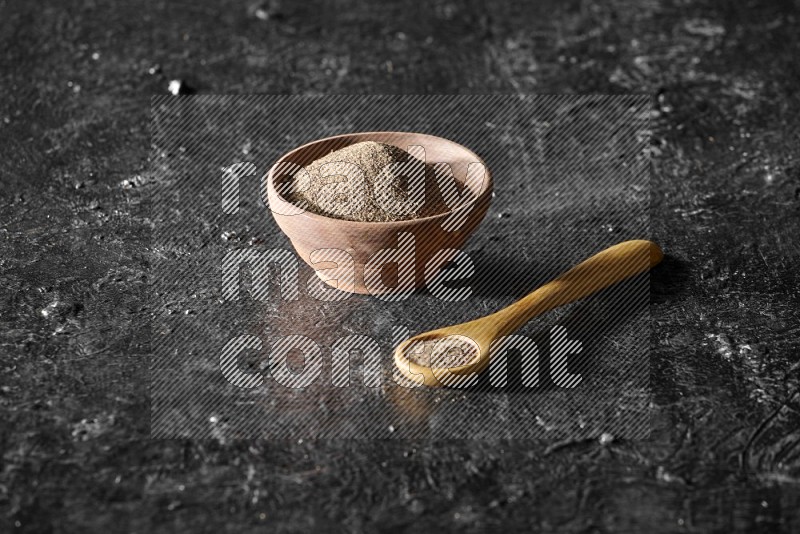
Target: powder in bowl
368, 181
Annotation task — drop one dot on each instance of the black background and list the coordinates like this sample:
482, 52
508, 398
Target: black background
76, 80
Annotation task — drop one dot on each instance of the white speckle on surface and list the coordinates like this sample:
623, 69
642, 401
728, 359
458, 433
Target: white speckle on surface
664, 476
175, 87
135, 181
541, 422
91, 428
723, 345
50, 309
606, 439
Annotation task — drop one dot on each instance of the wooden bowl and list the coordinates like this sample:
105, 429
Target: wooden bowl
313, 235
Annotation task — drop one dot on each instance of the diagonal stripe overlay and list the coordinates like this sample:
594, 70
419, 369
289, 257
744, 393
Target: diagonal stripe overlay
248, 342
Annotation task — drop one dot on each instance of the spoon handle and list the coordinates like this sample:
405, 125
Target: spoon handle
602, 270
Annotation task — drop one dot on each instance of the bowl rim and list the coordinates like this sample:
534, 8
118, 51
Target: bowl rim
272, 192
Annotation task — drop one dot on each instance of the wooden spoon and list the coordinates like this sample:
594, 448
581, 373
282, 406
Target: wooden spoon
602, 270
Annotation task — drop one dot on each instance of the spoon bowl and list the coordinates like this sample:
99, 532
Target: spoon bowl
430, 369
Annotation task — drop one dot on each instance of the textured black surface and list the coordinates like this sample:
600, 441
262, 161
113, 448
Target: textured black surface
74, 140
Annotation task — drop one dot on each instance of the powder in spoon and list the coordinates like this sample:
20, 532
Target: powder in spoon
442, 353
369, 181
